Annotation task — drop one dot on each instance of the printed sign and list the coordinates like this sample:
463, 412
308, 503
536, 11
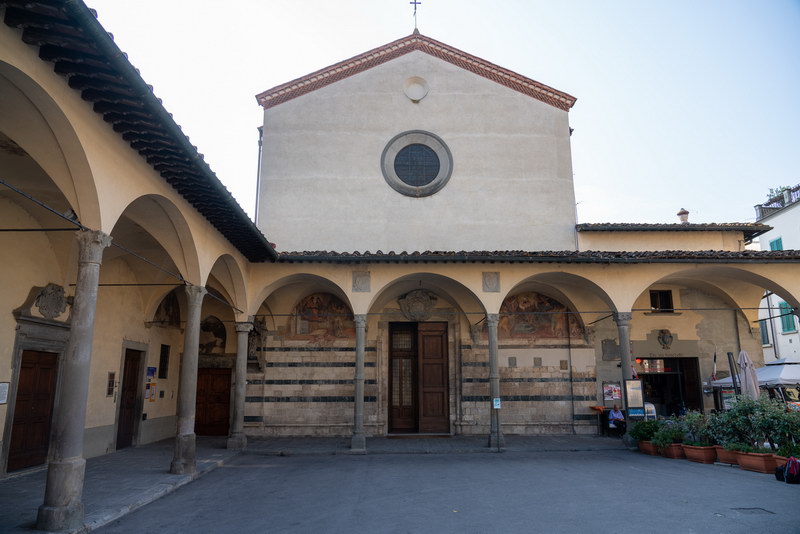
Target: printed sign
151, 372
612, 391
633, 394
496, 403
3, 392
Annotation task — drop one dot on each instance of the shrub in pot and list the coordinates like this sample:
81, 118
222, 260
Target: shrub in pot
669, 437
643, 432
698, 445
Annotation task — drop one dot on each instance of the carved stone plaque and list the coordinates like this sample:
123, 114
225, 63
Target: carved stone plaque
491, 282
417, 305
361, 282
51, 301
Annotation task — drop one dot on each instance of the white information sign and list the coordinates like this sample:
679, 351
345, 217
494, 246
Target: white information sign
3, 392
496, 403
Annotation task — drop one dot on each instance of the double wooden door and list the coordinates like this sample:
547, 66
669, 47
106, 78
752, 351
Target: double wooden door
213, 406
418, 385
33, 410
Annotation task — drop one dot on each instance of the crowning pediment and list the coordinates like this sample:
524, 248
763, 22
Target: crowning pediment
416, 41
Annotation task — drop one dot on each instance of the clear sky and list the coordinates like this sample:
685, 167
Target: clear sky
681, 104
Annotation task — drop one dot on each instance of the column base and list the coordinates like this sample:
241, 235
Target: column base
63, 508
358, 443
237, 442
184, 461
496, 441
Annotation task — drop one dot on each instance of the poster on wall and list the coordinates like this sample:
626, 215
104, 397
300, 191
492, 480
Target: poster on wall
612, 391
3, 392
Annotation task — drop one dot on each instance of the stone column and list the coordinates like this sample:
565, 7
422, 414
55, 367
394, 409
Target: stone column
62, 508
359, 441
623, 321
495, 433
237, 439
183, 460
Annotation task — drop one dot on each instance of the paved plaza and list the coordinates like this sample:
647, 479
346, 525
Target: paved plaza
587, 491
539, 484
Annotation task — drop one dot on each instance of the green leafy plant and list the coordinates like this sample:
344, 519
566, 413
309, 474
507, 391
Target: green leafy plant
644, 430
672, 431
788, 449
739, 447
697, 429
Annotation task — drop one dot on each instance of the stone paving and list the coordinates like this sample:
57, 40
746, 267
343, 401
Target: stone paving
120, 482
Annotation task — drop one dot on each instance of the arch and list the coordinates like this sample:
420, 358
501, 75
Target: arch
310, 283
576, 292
164, 222
230, 275
39, 126
453, 291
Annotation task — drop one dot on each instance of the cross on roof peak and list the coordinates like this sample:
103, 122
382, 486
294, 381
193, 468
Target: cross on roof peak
415, 3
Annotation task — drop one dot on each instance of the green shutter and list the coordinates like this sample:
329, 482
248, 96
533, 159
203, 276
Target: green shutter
764, 332
776, 244
787, 318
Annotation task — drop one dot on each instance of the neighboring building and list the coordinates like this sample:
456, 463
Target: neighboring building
444, 183
779, 324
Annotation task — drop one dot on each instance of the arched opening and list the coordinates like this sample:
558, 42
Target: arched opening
423, 330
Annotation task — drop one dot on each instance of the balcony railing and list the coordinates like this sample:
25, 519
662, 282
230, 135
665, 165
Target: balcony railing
776, 203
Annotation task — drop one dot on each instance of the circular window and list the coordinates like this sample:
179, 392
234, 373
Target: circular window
416, 163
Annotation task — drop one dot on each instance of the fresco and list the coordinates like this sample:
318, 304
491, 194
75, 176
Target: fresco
533, 315
168, 312
323, 315
212, 336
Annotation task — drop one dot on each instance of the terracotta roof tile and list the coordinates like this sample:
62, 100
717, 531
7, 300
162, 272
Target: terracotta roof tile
377, 56
750, 230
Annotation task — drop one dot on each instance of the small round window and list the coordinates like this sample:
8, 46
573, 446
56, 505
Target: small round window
416, 163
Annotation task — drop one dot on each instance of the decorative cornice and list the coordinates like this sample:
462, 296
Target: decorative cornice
377, 56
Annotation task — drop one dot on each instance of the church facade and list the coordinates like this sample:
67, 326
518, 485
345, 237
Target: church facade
426, 262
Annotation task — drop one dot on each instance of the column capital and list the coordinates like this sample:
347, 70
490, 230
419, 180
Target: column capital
244, 326
360, 320
493, 318
195, 292
622, 318
91, 244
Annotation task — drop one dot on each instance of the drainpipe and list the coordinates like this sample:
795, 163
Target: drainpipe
258, 169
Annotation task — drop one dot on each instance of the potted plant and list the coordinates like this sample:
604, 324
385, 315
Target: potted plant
759, 460
643, 432
669, 437
698, 446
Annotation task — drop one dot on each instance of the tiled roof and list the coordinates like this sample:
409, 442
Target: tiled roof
566, 256
69, 35
750, 230
367, 60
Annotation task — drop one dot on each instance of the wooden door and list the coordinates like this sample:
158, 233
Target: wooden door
129, 411
33, 410
402, 378
433, 391
213, 406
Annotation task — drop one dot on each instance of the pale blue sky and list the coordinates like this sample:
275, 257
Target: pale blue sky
692, 104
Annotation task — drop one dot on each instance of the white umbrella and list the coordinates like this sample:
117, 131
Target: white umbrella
747, 376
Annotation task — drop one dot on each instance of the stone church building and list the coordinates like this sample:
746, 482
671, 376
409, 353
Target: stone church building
426, 261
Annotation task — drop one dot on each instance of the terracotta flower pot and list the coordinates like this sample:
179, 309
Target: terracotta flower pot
674, 451
757, 461
647, 447
780, 461
726, 457
703, 455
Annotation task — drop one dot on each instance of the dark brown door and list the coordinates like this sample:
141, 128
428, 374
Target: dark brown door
213, 407
403, 378
418, 387
433, 392
33, 410
128, 401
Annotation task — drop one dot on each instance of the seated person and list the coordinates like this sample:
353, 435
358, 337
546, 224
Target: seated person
616, 420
